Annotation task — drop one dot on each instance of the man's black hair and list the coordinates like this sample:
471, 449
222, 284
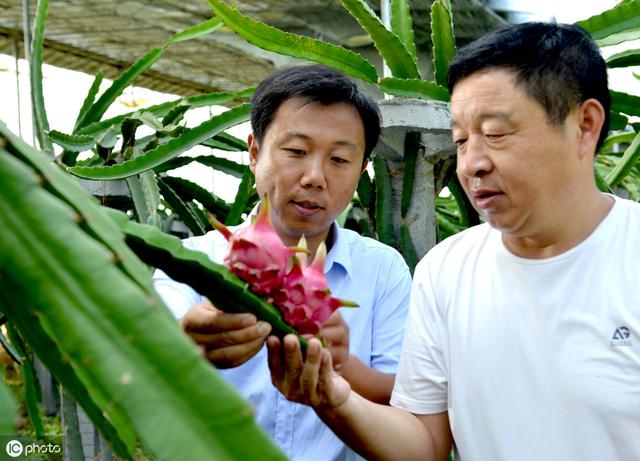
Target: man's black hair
314, 83
558, 65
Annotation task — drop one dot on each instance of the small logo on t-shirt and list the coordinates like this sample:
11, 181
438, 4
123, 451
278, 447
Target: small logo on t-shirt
621, 337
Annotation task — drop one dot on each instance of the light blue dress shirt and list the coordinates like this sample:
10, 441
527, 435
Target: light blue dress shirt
357, 268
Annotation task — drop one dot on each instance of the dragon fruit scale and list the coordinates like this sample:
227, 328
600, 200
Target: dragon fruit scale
305, 299
257, 254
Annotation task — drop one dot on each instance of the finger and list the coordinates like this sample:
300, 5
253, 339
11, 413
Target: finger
309, 375
233, 356
274, 348
338, 334
334, 319
232, 337
292, 358
214, 321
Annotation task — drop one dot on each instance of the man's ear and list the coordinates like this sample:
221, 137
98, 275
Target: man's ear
254, 150
364, 166
590, 119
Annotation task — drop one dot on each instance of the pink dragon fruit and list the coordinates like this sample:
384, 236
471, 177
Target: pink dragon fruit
257, 254
305, 300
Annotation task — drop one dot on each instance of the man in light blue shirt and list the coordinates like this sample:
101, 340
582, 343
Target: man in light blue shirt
313, 132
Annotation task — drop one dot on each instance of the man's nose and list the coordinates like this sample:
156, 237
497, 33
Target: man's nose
314, 174
473, 159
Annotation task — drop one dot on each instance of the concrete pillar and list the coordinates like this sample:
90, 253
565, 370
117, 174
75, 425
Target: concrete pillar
431, 120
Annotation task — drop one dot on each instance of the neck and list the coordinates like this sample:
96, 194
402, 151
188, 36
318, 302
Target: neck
572, 225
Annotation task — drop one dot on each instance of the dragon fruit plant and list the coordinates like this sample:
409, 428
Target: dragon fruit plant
259, 257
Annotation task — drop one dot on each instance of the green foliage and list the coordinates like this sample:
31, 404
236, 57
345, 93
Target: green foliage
401, 63
152, 158
616, 25
35, 67
444, 44
297, 46
97, 327
402, 25
414, 88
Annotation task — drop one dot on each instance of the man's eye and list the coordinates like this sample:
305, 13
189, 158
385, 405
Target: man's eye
340, 160
295, 151
459, 142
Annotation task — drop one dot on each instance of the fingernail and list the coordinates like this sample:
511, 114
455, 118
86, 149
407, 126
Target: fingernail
264, 328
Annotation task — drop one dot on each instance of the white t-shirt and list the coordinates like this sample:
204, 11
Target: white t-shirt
532, 359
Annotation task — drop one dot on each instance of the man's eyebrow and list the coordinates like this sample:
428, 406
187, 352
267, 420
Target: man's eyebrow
297, 134
493, 115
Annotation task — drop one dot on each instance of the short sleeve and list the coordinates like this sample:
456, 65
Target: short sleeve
422, 377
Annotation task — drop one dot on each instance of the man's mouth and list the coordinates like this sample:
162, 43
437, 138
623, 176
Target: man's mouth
485, 198
307, 207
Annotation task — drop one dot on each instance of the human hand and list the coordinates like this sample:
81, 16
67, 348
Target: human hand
227, 340
312, 381
336, 333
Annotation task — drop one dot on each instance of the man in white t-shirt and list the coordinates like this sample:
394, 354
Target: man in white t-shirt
523, 336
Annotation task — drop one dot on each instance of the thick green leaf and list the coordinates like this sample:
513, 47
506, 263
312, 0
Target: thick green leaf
40, 119
608, 24
225, 141
176, 114
8, 410
203, 100
180, 207
62, 185
116, 429
73, 436
615, 39
468, 216
32, 390
626, 163
146, 197
617, 138
97, 110
414, 88
217, 163
189, 191
198, 30
216, 282
411, 148
402, 25
624, 59
90, 98
384, 202
626, 103
297, 46
601, 183
190, 138
364, 189
617, 121
444, 43
243, 196
407, 247
392, 50
72, 142
117, 338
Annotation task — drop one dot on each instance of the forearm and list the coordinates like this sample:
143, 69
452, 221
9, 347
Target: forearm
381, 432
369, 383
